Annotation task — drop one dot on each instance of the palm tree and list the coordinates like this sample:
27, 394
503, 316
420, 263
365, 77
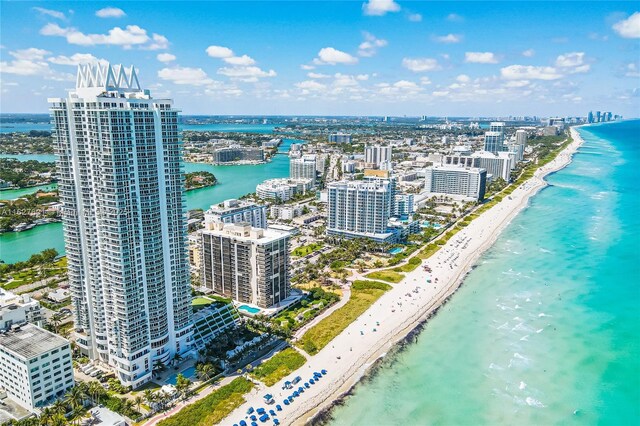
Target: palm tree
75, 398
158, 366
205, 371
95, 391
127, 406
138, 400
55, 321
150, 397
59, 407
47, 415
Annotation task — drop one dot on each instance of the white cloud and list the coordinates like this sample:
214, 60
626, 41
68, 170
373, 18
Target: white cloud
310, 85
480, 58
246, 74
632, 70
463, 78
31, 62
219, 52
628, 28
528, 53
380, 7
449, 38
370, 45
317, 75
331, 56
573, 62
53, 13
454, 17
240, 60
517, 83
307, 67
110, 12
420, 64
166, 57
414, 17
75, 59
529, 72
425, 81
129, 36
185, 75
572, 59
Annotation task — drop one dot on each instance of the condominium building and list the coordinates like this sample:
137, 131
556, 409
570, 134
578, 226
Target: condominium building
236, 153
497, 165
377, 154
121, 182
282, 189
35, 366
493, 141
18, 309
467, 182
360, 208
248, 265
521, 137
236, 211
303, 168
340, 138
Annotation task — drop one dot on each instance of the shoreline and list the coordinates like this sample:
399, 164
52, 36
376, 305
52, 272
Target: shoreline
450, 265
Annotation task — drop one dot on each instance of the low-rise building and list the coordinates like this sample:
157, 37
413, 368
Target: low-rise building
18, 309
35, 365
237, 153
340, 138
282, 189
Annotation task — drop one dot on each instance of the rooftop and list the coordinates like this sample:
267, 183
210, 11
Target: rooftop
29, 341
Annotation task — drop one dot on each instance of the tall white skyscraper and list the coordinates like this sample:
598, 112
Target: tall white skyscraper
121, 183
521, 137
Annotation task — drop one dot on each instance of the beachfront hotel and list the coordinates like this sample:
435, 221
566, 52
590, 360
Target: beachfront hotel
121, 183
494, 138
468, 182
249, 265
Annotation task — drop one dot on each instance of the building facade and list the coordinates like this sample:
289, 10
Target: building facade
340, 138
236, 211
283, 189
35, 366
248, 265
235, 153
377, 154
121, 182
466, 182
303, 168
18, 309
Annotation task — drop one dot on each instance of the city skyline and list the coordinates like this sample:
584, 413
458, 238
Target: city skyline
339, 58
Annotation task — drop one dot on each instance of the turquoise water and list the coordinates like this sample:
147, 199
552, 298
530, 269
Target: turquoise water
233, 182
396, 250
546, 329
188, 373
248, 309
10, 127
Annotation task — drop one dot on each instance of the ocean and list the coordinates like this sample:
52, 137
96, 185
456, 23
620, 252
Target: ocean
546, 328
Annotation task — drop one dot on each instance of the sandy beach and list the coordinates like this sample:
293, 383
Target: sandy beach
348, 357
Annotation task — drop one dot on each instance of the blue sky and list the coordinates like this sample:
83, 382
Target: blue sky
379, 57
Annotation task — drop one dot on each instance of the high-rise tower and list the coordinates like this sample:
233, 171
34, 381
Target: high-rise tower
122, 187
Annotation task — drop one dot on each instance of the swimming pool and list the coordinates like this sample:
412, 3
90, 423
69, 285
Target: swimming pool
249, 309
396, 250
433, 225
189, 373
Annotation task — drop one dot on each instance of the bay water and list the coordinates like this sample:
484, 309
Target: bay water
546, 328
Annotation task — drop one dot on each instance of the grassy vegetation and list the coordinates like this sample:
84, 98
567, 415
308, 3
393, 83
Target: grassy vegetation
212, 408
29, 275
278, 366
201, 302
413, 263
363, 295
389, 275
305, 250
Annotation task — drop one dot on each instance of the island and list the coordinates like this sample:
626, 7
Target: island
201, 179
15, 174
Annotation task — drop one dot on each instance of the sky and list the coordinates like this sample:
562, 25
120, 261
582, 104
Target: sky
374, 57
